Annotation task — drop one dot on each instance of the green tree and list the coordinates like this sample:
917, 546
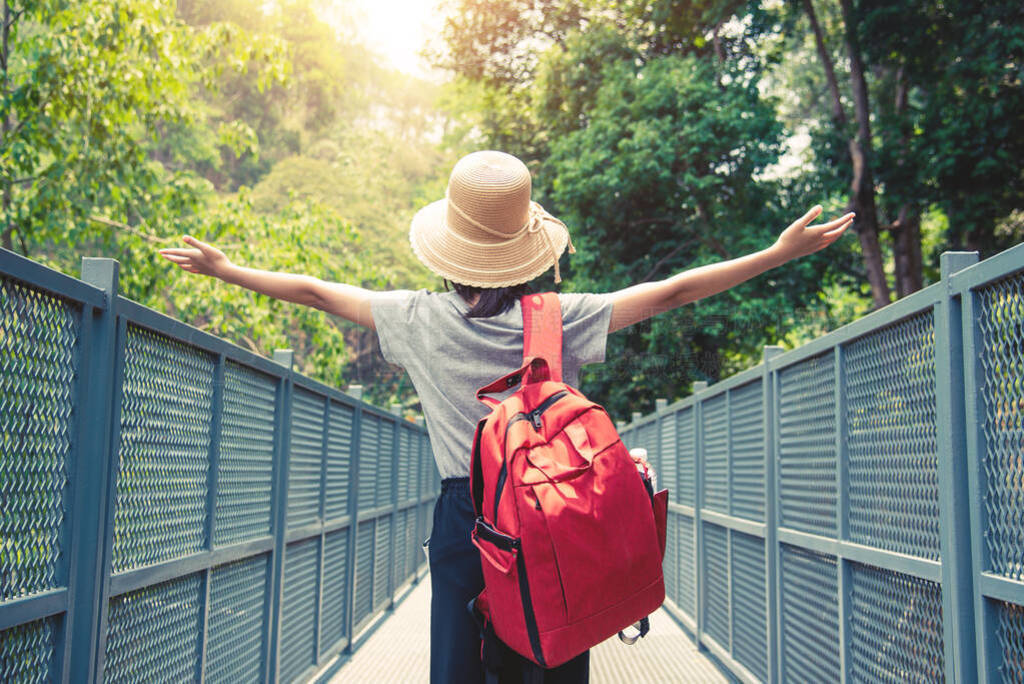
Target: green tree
649, 136
951, 126
108, 118
922, 99
344, 135
499, 42
664, 178
88, 90
300, 237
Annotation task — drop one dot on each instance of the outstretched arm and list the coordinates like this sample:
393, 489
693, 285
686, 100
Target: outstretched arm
634, 304
347, 301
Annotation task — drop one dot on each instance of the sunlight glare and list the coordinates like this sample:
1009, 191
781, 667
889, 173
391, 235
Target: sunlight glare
398, 30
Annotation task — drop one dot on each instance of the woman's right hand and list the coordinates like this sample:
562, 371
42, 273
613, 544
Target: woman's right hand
203, 258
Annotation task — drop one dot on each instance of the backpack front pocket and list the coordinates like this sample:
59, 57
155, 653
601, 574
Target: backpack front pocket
500, 550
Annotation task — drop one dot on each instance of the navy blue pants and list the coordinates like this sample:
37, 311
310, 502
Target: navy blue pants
455, 579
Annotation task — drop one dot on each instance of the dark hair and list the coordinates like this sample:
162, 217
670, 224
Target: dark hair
493, 300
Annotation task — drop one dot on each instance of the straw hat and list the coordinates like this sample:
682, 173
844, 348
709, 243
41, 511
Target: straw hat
486, 232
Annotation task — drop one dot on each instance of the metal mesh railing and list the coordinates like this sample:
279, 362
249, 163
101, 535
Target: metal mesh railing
748, 593
246, 467
853, 510
895, 627
175, 508
238, 602
996, 345
1009, 658
892, 431
28, 652
298, 609
746, 445
810, 615
1001, 320
163, 455
807, 446
39, 336
154, 633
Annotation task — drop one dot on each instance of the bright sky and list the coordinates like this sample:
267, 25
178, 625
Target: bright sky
398, 29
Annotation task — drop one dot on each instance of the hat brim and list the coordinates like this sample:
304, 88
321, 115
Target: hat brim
483, 264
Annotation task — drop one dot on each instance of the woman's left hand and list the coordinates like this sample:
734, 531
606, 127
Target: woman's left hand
801, 239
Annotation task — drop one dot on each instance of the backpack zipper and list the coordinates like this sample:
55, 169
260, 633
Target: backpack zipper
488, 533
534, 418
534, 415
513, 544
504, 467
531, 618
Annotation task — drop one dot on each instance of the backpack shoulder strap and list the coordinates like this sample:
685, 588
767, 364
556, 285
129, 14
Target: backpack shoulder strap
542, 331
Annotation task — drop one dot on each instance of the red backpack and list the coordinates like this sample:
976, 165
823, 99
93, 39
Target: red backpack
571, 535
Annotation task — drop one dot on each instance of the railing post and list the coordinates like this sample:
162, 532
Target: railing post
92, 474
353, 515
959, 620
212, 474
283, 412
658, 460
396, 410
420, 474
729, 531
698, 504
768, 353
323, 529
658, 463
844, 583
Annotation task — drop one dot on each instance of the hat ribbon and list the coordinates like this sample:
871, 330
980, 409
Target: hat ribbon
537, 217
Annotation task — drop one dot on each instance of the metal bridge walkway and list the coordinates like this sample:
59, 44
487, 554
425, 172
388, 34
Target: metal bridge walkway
397, 651
177, 508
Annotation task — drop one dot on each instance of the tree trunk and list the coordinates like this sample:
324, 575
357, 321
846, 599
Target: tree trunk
906, 233
916, 261
716, 41
906, 230
862, 202
838, 113
862, 188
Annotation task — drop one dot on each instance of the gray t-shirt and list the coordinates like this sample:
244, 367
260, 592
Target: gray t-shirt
449, 357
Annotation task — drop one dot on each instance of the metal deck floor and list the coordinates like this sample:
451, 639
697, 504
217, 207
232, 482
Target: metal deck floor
398, 651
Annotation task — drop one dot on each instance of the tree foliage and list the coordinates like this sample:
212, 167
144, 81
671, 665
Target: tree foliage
664, 177
921, 98
651, 139
955, 69
657, 129
301, 237
126, 125
90, 88
666, 133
